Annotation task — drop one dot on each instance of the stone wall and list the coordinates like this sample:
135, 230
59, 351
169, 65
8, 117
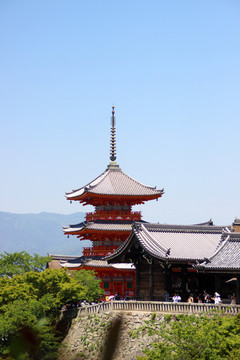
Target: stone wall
88, 334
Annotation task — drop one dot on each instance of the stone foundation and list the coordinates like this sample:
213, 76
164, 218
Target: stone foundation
88, 333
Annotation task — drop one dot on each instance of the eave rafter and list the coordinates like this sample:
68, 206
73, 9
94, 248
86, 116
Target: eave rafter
86, 234
103, 199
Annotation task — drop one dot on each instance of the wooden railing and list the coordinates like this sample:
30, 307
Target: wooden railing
114, 215
162, 307
99, 252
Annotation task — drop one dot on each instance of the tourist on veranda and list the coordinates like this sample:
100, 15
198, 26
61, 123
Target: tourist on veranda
127, 297
117, 296
166, 296
199, 298
233, 299
217, 298
190, 299
176, 298
206, 297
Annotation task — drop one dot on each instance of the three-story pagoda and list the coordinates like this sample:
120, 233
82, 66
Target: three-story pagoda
113, 194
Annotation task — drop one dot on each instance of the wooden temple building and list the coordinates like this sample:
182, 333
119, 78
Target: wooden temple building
183, 259
113, 194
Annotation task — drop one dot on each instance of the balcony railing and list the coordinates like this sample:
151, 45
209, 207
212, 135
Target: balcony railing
114, 215
161, 307
91, 252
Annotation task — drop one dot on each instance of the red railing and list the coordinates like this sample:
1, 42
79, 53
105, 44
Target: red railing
98, 252
114, 215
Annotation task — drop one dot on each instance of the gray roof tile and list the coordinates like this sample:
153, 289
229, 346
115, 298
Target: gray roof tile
175, 242
227, 255
99, 226
115, 182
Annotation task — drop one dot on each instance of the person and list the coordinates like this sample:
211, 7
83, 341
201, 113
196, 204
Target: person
117, 296
166, 296
216, 298
127, 297
206, 297
190, 299
199, 298
233, 299
176, 298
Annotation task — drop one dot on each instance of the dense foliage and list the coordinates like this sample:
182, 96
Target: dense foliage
20, 262
195, 337
91, 284
29, 309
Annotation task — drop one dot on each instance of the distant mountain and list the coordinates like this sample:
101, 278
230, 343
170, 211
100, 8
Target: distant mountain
39, 233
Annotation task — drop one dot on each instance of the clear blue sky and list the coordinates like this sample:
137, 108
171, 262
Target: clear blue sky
172, 70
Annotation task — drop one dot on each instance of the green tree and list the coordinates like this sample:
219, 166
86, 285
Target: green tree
21, 262
25, 330
88, 279
33, 286
203, 337
29, 308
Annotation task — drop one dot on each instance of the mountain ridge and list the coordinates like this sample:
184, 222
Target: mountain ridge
40, 233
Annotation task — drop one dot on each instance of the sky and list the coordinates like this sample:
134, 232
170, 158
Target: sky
172, 70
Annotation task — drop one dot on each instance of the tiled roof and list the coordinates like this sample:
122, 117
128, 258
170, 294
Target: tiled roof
73, 228
62, 257
104, 263
227, 255
54, 264
95, 263
58, 260
123, 266
115, 182
99, 225
70, 265
174, 242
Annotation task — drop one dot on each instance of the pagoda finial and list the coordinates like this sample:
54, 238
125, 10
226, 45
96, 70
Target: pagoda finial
113, 140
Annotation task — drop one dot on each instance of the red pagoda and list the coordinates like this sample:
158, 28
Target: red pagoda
113, 194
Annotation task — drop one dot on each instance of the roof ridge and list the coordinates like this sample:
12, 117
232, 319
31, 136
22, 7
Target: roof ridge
219, 247
153, 239
183, 228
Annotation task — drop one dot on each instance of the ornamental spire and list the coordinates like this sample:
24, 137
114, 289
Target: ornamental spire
113, 139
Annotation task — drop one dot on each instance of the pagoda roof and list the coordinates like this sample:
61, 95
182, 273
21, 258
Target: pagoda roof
99, 225
172, 242
114, 182
227, 255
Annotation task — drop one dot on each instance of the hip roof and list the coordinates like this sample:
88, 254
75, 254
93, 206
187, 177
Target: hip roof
114, 182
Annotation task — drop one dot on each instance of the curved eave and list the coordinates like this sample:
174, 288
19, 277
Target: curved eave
120, 250
83, 190
154, 248
84, 232
227, 256
70, 231
85, 229
127, 244
114, 182
218, 269
91, 197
